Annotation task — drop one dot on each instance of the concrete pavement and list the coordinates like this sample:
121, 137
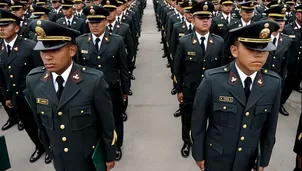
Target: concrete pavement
152, 134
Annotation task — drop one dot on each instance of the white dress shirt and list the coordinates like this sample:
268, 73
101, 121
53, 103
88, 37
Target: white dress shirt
277, 37
58, 10
188, 24
243, 76
244, 23
71, 19
205, 40
298, 25
11, 43
101, 38
65, 76
113, 24
225, 17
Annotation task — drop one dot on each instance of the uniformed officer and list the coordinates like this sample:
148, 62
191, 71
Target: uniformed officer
71, 102
294, 69
290, 13
260, 10
179, 30
88, 2
18, 8
277, 60
196, 53
16, 60
78, 11
106, 52
298, 146
57, 8
220, 22
51, 15
38, 13
4, 4
70, 20
240, 102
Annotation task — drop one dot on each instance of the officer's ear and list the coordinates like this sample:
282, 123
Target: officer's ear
17, 27
234, 50
72, 49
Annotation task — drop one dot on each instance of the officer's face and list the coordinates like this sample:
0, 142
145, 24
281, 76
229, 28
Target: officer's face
97, 2
189, 17
227, 8
78, 6
248, 60
112, 15
4, 7
98, 28
216, 6
119, 10
281, 23
19, 12
56, 4
299, 16
9, 31
68, 12
246, 16
266, 2
58, 60
202, 24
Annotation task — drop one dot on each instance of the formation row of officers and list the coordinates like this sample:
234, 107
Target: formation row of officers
69, 104
196, 37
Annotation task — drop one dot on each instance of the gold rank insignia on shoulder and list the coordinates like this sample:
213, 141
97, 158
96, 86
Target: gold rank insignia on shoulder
42, 101
226, 99
211, 41
292, 36
84, 51
194, 41
16, 48
191, 53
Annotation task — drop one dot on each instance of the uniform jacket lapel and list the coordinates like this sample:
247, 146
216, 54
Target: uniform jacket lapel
196, 44
15, 50
74, 23
210, 46
116, 28
105, 43
48, 88
256, 92
280, 45
91, 44
71, 88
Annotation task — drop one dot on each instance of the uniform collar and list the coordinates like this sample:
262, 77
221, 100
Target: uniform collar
65, 75
11, 43
243, 76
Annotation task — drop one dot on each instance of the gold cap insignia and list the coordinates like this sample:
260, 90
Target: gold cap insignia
92, 11
252, 4
40, 32
264, 33
205, 7
190, 3
283, 10
12, 2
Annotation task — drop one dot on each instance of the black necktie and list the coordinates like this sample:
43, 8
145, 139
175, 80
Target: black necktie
69, 23
274, 40
247, 84
97, 40
227, 19
60, 82
110, 28
8, 49
118, 19
203, 49
190, 28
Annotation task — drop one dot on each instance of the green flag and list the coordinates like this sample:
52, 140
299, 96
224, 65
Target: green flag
98, 158
4, 158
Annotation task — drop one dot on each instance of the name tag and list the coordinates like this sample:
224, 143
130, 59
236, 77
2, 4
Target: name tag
84, 51
220, 25
181, 34
191, 53
292, 36
226, 99
42, 101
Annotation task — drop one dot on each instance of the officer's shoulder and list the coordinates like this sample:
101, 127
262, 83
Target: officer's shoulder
185, 38
83, 36
37, 70
219, 70
286, 37
270, 73
90, 71
125, 25
115, 36
27, 41
217, 37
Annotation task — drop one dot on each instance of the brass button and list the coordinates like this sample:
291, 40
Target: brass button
247, 113
211, 145
273, 65
82, 111
9, 67
203, 68
17, 92
202, 75
62, 126
60, 113
42, 113
99, 57
64, 139
265, 110
14, 85
84, 69
239, 149
224, 107
225, 69
265, 71
99, 66
11, 76
65, 150
274, 57
93, 147
244, 126
190, 58
242, 138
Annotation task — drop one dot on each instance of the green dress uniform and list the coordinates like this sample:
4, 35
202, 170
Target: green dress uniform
190, 63
78, 119
228, 124
24, 29
111, 60
294, 69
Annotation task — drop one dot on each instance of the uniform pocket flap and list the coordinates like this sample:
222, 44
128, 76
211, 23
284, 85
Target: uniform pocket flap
86, 56
44, 110
215, 145
226, 107
263, 109
80, 110
191, 58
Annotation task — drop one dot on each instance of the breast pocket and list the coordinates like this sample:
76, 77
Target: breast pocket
45, 113
191, 59
224, 114
80, 117
261, 113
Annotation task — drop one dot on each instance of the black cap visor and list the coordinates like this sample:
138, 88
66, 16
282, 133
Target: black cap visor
49, 45
260, 46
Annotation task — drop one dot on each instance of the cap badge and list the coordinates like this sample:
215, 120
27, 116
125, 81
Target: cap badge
205, 7
12, 2
252, 4
40, 32
92, 11
283, 10
264, 33
190, 3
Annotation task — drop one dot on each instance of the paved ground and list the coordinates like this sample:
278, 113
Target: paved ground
152, 134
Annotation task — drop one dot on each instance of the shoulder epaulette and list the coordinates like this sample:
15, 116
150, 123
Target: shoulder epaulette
269, 72
40, 69
222, 69
90, 70
216, 36
83, 35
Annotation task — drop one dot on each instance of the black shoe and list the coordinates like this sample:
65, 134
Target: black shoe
168, 65
185, 150
177, 113
48, 158
173, 91
8, 124
119, 154
20, 126
36, 155
130, 93
125, 117
132, 77
283, 111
